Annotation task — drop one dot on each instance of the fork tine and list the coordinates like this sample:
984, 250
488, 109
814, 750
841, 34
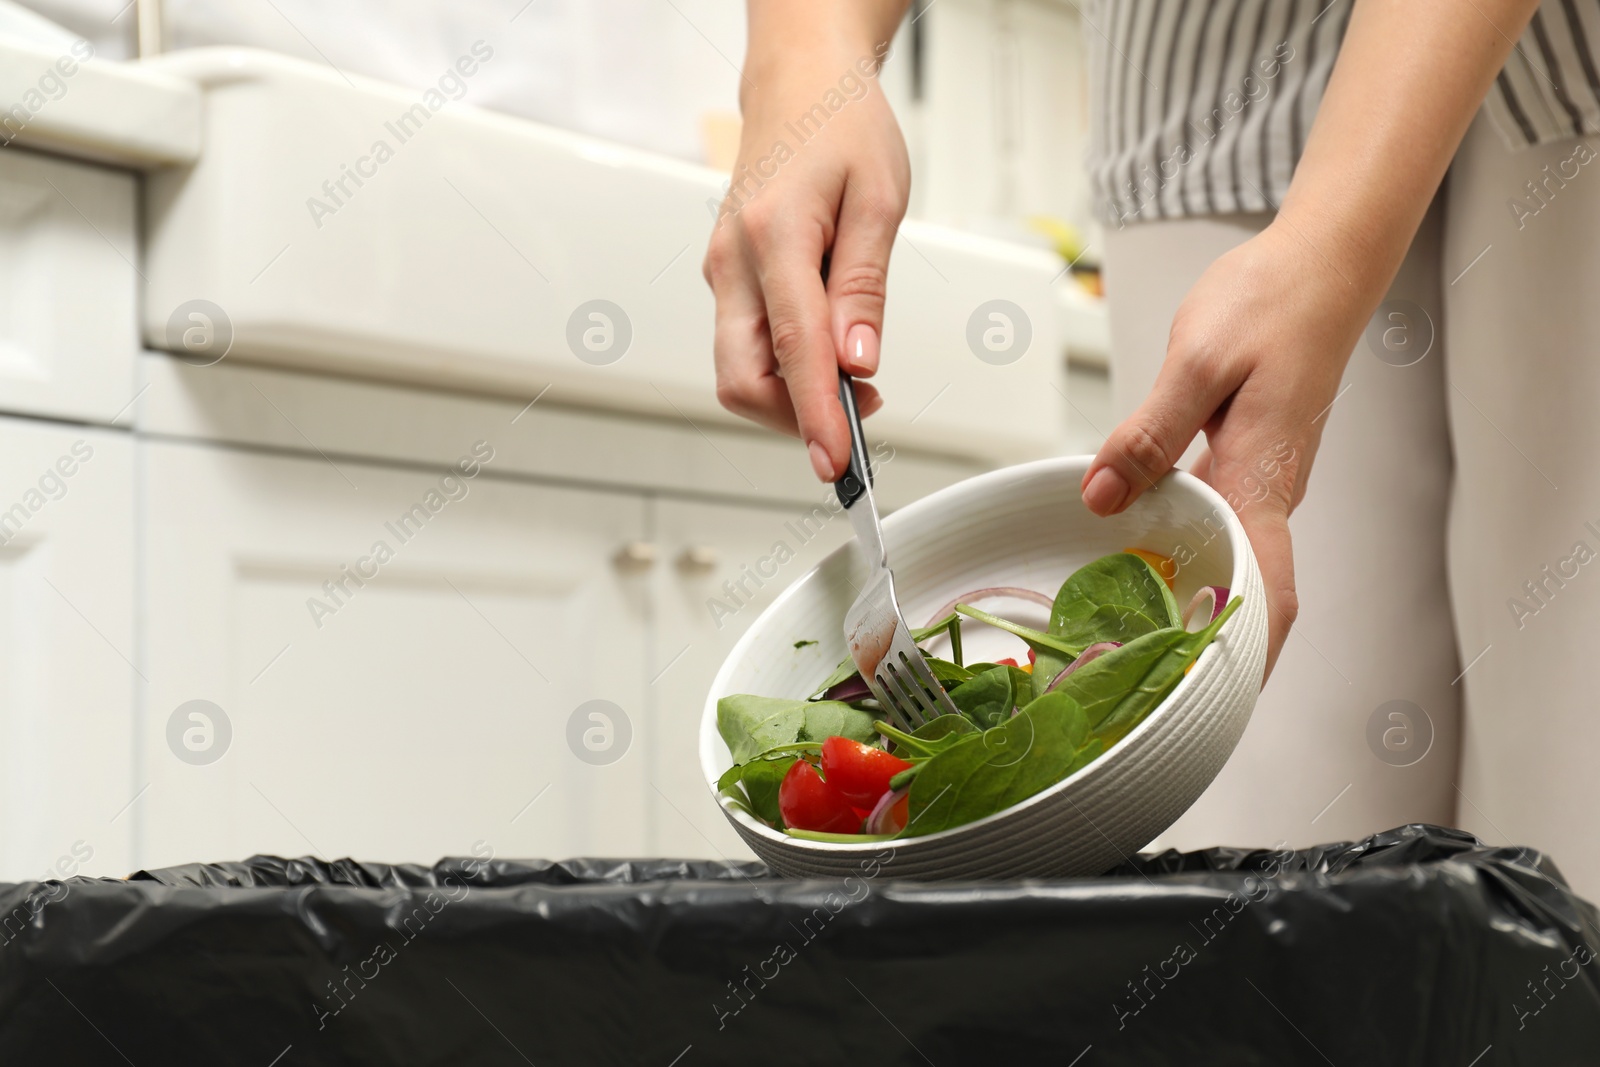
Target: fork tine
891, 701
905, 695
930, 687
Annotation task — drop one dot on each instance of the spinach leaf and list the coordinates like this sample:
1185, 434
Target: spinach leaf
761, 779
1046, 665
947, 673
943, 669
845, 670
1041, 745
987, 698
1037, 640
951, 624
1051, 653
929, 739
751, 725
833, 718
1117, 690
1115, 598
838, 839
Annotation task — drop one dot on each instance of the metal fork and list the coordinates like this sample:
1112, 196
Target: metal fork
874, 630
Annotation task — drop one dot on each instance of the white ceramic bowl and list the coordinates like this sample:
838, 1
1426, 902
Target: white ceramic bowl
1021, 526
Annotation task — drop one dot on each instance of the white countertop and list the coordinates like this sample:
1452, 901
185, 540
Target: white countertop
128, 114
464, 255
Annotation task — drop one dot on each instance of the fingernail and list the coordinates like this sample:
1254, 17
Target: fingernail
861, 349
1105, 492
820, 462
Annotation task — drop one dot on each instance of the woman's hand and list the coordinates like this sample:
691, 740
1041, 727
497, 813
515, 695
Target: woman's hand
1255, 357
1259, 345
822, 170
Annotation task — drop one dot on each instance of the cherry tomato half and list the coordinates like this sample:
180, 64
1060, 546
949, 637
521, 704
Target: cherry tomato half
806, 802
859, 772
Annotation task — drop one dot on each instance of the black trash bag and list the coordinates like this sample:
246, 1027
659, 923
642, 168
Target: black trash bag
1418, 946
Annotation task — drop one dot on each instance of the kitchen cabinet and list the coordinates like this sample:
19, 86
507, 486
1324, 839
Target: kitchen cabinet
68, 683
724, 565
67, 288
424, 712
410, 713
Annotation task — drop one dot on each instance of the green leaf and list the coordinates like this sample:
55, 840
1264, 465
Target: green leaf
987, 698
751, 724
834, 718
950, 623
932, 737
838, 839
1116, 598
846, 669
1120, 688
803, 644
761, 780
1039, 746
1037, 640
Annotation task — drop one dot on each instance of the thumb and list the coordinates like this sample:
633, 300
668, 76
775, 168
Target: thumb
858, 275
1147, 444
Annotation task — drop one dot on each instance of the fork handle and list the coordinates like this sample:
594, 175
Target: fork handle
857, 478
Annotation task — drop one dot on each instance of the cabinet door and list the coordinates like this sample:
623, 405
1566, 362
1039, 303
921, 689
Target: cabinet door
398, 655
67, 677
67, 330
721, 565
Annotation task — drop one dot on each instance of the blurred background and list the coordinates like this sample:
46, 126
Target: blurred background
362, 487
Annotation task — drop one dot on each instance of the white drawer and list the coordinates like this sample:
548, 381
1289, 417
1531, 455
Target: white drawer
67, 288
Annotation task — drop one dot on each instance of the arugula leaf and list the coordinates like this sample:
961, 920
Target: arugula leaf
1117, 690
751, 725
989, 772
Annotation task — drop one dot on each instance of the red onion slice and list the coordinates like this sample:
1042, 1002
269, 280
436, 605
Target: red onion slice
1012, 591
875, 823
1089, 654
850, 690
1217, 594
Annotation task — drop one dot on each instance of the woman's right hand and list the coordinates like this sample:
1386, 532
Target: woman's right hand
811, 180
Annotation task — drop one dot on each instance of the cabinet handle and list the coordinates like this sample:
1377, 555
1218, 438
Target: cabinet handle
698, 559
636, 555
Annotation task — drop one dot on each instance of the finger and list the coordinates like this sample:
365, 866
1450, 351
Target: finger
1265, 518
1268, 530
788, 257
1151, 440
858, 275
868, 400
747, 380
1202, 466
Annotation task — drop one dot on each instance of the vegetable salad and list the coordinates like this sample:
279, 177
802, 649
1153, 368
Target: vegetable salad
832, 767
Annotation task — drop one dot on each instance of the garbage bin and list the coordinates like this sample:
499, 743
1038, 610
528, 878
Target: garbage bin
1417, 946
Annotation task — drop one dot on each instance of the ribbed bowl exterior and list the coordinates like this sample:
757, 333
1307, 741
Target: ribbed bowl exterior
1023, 526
